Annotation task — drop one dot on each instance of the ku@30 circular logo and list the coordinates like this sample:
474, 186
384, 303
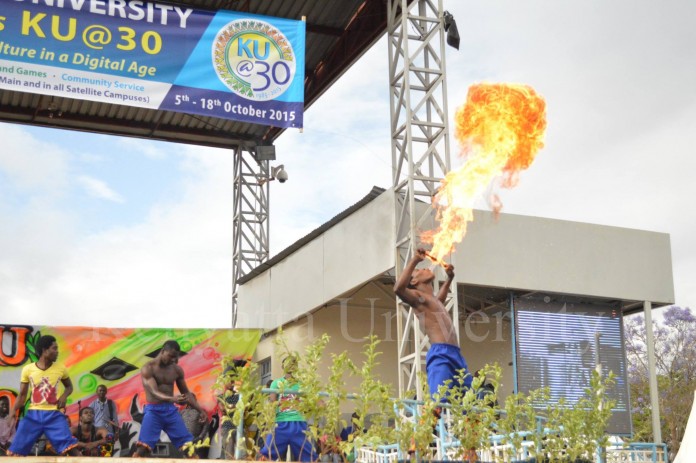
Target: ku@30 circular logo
254, 59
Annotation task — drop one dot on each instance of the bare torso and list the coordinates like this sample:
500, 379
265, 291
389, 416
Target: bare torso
435, 319
415, 288
165, 377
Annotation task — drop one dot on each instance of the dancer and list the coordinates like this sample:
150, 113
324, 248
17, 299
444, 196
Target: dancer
43, 416
160, 414
444, 360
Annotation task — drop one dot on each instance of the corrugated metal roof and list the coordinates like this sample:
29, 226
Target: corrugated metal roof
338, 33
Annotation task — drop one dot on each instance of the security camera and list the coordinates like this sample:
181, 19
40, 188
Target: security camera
276, 173
279, 173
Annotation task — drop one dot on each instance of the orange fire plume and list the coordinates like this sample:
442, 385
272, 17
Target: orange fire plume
500, 129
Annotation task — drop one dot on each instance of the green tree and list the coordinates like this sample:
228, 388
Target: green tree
675, 359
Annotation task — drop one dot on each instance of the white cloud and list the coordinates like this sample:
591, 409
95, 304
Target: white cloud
99, 189
617, 78
31, 165
173, 270
150, 150
35, 233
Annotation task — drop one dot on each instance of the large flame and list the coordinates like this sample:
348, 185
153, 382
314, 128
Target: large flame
500, 129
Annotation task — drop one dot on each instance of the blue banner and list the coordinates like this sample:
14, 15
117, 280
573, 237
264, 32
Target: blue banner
154, 55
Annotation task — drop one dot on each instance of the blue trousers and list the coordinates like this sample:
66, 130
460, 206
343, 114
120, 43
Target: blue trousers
163, 417
292, 434
443, 362
37, 422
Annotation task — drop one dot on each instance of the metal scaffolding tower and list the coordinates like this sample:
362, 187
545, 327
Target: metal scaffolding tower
250, 228
420, 152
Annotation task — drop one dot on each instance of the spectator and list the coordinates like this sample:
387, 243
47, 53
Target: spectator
105, 411
486, 389
93, 441
7, 432
291, 426
348, 435
228, 401
197, 424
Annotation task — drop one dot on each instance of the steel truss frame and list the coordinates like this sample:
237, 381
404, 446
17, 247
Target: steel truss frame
420, 153
250, 229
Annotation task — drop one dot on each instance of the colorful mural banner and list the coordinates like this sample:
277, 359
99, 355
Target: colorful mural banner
225, 64
113, 357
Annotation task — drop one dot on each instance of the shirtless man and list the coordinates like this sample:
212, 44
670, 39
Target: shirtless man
415, 287
160, 414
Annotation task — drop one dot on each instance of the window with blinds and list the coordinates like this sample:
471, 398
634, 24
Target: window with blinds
558, 346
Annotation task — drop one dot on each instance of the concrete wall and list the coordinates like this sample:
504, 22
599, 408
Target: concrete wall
343, 257
347, 325
527, 253
538, 254
485, 340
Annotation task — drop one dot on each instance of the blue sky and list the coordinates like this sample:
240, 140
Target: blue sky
117, 185
106, 231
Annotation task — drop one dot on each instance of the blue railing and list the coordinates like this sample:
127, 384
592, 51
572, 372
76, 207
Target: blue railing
638, 450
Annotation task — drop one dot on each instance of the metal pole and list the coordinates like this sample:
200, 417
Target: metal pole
513, 337
598, 362
420, 152
652, 374
241, 439
250, 218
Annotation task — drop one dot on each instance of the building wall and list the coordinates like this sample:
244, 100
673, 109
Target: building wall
343, 257
517, 252
485, 340
347, 326
536, 254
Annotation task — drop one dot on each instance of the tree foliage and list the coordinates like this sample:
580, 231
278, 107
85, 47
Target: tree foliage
675, 363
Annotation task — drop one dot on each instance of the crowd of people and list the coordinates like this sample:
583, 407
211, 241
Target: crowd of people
173, 409
98, 428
